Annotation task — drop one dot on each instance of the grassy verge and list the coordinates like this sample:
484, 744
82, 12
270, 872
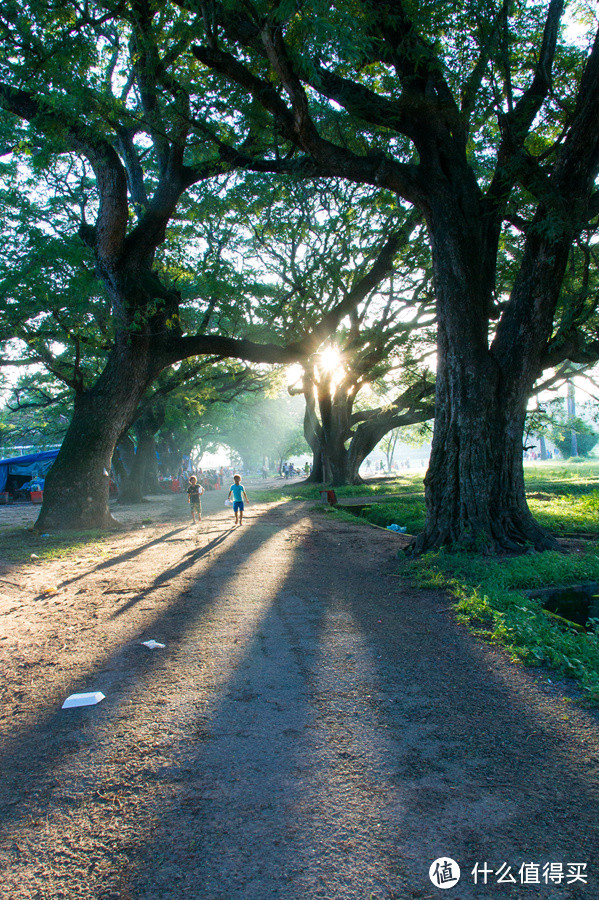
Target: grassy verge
373, 488
490, 592
17, 544
490, 598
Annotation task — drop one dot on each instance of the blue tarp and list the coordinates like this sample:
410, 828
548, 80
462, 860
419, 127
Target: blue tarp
31, 464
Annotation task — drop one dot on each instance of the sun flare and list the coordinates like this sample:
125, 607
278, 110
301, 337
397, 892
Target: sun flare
329, 360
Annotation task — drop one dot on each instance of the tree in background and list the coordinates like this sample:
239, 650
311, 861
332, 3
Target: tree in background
105, 111
388, 446
484, 117
259, 430
553, 420
36, 413
335, 249
341, 426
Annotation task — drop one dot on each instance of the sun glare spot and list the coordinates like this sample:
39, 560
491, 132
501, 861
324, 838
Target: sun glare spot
329, 359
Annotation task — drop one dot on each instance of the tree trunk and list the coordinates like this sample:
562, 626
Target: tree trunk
364, 440
127, 480
143, 472
474, 487
130, 487
316, 476
335, 411
76, 492
147, 450
313, 435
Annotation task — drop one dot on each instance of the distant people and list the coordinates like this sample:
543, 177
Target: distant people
237, 491
194, 492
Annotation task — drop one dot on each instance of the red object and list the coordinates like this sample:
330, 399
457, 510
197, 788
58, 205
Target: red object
37, 496
175, 484
329, 496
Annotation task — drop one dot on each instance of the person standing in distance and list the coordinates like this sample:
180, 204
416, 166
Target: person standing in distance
194, 491
237, 490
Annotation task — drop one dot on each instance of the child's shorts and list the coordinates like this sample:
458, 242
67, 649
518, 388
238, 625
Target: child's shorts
238, 506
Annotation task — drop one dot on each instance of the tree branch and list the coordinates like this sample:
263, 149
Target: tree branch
111, 223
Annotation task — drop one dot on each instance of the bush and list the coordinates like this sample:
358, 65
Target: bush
586, 439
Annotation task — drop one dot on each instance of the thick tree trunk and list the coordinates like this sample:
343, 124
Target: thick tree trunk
128, 481
143, 471
474, 487
76, 492
313, 435
146, 448
335, 411
316, 476
343, 470
131, 488
363, 442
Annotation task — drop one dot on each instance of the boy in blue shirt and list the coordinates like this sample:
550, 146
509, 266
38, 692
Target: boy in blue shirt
238, 492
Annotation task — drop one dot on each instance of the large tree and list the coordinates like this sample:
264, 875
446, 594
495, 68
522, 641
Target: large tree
485, 117
104, 112
330, 243
381, 353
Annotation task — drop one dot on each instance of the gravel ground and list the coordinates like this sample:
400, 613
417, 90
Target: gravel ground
313, 727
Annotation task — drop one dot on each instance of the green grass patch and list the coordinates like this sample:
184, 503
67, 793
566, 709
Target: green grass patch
490, 598
563, 478
564, 513
560, 513
375, 487
408, 513
17, 544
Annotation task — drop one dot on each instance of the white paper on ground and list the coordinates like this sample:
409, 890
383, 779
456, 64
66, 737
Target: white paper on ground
153, 645
83, 699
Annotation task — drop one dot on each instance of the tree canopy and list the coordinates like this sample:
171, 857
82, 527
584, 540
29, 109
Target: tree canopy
483, 116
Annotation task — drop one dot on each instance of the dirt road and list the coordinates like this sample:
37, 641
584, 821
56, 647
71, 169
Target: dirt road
312, 729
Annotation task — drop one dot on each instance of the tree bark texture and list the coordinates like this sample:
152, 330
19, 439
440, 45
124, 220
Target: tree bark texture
76, 492
474, 488
142, 476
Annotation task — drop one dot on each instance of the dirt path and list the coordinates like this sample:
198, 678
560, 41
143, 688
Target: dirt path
311, 730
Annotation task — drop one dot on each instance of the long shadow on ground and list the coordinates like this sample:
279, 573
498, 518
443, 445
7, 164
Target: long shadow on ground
350, 735
358, 738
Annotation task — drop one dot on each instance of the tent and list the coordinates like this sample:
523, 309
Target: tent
16, 471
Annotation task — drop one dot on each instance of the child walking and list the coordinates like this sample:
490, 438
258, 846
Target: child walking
238, 492
194, 491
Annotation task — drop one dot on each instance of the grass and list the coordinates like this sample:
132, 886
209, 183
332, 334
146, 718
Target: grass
17, 544
490, 598
404, 484
489, 592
